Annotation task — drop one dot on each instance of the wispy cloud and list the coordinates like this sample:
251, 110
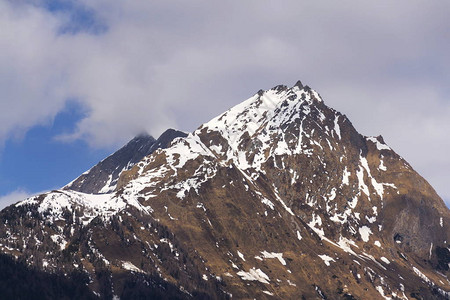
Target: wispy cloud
13, 197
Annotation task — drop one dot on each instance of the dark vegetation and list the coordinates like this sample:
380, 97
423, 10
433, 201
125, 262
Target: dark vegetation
443, 257
18, 281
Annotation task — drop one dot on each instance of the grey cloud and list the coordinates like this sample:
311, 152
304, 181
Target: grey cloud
159, 64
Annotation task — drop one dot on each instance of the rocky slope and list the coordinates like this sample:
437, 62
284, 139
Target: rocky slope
277, 198
103, 177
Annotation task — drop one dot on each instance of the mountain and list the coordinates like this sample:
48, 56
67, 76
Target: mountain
277, 198
103, 177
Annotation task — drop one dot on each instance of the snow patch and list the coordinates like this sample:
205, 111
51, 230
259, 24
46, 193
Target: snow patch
241, 255
385, 260
381, 291
279, 256
345, 243
326, 259
382, 167
268, 203
361, 184
316, 220
365, 232
337, 129
421, 275
59, 240
129, 266
254, 275
379, 145
108, 188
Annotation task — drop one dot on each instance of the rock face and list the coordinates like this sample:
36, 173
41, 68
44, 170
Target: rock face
103, 177
277, 198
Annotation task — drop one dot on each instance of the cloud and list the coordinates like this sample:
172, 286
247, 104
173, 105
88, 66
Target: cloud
149, 65
13, 197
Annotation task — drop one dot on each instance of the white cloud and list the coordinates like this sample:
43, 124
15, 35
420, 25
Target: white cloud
161, 64
13, 197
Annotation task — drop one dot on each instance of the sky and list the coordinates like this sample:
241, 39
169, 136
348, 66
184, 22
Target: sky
78, 79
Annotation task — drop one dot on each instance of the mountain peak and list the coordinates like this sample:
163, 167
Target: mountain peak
299, 84
263, 119
103, 177
279, 196
284, 154
143, 135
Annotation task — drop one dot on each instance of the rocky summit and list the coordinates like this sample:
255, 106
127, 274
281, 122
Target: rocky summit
103, 177
277, 198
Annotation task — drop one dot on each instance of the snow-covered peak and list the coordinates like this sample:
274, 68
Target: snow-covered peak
262, 119
246, 135
103, 177
250, 115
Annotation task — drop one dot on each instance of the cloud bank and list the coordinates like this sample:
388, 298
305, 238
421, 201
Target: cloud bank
147, 65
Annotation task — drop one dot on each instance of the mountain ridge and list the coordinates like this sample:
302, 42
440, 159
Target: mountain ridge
102, 178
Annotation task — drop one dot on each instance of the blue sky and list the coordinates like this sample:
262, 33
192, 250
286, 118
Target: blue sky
38, 162
78, 79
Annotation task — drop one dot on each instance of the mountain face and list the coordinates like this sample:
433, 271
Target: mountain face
103, 177
277, 198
